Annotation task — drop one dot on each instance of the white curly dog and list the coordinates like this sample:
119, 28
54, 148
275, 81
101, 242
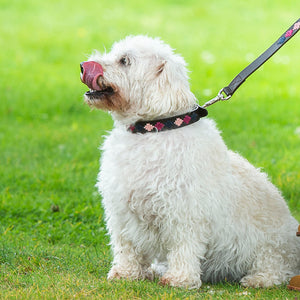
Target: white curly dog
178, 203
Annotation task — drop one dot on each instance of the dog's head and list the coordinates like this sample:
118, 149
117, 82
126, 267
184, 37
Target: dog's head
139, 78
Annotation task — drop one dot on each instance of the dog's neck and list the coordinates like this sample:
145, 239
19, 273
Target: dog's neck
170, 123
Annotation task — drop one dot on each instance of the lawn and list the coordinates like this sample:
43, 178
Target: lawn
53, 243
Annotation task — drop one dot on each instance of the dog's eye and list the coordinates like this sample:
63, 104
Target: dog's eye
125, 61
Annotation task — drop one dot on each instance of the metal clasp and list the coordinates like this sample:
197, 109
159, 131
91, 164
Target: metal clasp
221, 96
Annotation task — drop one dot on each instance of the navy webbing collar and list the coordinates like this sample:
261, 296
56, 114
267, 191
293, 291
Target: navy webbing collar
169, 123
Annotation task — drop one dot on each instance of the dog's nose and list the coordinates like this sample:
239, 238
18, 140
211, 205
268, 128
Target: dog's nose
81, 67
90, 72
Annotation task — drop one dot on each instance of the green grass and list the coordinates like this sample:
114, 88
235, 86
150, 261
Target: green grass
53, 243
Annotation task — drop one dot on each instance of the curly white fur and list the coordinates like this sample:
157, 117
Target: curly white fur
180, 199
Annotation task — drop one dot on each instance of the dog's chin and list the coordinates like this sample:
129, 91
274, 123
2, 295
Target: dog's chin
107, 99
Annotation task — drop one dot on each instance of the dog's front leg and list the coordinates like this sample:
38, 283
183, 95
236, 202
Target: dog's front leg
127, 262
184, 264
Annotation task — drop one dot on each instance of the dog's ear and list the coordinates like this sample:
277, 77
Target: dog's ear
161, 67
172, 85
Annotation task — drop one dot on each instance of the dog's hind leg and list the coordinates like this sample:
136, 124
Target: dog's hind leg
269, 269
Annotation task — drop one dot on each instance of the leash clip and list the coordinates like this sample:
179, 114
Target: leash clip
221, 96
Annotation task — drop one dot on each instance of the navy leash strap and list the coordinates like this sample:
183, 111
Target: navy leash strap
244, 74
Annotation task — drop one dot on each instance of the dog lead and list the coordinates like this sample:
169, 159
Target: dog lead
245, 73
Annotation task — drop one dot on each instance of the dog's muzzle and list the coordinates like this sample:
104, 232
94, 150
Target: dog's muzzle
90, 73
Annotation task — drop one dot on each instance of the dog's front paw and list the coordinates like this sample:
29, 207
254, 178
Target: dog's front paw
190, 282
118, 272
114, 273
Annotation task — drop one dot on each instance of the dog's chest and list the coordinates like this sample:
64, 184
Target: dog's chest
138, 175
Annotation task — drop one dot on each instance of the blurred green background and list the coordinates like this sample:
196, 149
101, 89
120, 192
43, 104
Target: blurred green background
49, 138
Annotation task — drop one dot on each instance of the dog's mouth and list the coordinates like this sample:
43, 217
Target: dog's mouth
98, 94
92, 76
102, 94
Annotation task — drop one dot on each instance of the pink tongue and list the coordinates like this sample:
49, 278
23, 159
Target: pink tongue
91, 72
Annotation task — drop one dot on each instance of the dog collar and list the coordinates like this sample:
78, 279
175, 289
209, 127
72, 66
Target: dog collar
169, 123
